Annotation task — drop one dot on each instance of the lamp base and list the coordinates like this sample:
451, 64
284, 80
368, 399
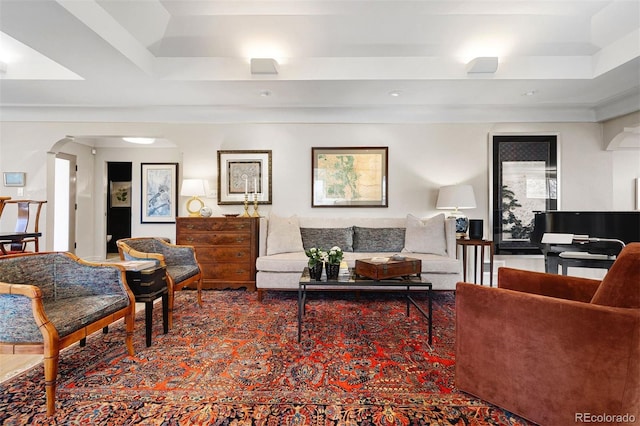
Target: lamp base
194, 212
462, 223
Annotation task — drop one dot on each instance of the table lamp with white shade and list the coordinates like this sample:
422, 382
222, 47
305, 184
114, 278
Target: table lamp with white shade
457, 197
193, 188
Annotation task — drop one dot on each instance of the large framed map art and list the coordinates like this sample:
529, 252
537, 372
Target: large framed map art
349, 177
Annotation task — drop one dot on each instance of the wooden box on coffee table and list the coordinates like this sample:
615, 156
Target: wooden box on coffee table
378, 268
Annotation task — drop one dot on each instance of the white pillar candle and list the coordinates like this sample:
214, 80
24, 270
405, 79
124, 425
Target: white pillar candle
255, 185
246, 185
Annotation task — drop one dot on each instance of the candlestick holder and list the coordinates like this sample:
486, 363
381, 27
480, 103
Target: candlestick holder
246, 205
255, 205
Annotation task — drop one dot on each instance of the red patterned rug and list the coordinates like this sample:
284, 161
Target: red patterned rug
236, 361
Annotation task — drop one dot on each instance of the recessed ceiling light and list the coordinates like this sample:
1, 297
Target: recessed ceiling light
394, 93
141, 141
483, 65
264, 66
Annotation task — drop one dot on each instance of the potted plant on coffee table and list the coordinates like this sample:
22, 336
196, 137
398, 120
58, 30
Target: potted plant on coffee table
334, 257
316, 258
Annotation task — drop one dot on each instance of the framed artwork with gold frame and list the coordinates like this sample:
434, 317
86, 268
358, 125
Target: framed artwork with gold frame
349, 177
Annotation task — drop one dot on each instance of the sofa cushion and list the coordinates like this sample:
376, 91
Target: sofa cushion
295, 262
325, 238
283, 235
67, 315
180, 273
621, 287
283, 262
378, 239
425, 236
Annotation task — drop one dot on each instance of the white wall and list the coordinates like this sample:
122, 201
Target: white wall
422, 157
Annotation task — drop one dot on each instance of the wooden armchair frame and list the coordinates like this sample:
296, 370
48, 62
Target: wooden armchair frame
52, 342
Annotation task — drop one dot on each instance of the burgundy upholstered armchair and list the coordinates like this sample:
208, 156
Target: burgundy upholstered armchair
552, 348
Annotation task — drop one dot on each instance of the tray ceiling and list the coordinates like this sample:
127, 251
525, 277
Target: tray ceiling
340, 60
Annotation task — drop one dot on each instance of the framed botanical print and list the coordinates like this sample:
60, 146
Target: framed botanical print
159, 192
244, 173
120, 194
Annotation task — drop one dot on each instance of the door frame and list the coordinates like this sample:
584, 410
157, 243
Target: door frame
51, 195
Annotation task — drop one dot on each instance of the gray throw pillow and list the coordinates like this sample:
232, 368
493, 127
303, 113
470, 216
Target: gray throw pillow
373, 240
325, 238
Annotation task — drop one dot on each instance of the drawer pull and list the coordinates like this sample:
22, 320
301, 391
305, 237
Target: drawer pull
190, 226
239, 255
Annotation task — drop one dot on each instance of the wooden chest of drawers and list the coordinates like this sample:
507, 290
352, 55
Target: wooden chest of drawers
226, 249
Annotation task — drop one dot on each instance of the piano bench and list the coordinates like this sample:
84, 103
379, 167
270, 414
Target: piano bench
580, 259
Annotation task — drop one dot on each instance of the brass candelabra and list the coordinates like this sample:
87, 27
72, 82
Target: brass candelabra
255, 205
246, 205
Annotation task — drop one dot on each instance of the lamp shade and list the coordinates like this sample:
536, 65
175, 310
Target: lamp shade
456, 197
192, 188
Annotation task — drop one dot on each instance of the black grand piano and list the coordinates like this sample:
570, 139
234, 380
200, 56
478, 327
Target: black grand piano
598, 235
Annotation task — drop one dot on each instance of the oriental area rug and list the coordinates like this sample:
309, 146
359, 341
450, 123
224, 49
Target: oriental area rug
237, 361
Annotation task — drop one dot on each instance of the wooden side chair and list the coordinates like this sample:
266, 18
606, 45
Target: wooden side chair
22, 224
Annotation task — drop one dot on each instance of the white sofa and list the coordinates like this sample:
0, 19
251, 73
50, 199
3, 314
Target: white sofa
432, 240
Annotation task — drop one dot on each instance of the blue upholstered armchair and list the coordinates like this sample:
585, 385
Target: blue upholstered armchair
49, 301
179, 260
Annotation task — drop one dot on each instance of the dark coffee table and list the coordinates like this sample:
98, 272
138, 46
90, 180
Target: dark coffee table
358, 283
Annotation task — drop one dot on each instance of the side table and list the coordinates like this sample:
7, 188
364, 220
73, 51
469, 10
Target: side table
147, 285
147, 282
477, 245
